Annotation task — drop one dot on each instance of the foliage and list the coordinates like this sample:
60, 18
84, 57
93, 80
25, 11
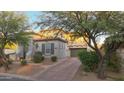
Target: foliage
12, 27
23, 62
89, 60
90, 25
9, 61
12, 31
38, 53
38, 58
111, 44
114, 63
54, 58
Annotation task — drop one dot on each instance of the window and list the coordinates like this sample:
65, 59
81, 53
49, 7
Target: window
48, 48
43, 48
52, 48
36, 46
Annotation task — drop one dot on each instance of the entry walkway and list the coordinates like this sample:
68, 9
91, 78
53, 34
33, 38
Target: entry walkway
61, 71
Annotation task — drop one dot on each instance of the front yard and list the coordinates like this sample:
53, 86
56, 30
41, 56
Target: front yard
27, 70
64, 69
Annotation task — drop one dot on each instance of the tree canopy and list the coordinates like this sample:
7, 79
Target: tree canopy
12, 30
90, 25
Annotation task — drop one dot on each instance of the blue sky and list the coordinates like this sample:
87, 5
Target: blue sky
33, 16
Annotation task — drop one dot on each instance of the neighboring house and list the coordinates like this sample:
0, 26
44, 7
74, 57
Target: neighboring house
11, 53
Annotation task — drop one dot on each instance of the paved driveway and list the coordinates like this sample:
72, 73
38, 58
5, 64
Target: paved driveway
61, 71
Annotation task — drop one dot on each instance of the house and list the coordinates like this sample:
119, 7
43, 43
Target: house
54, 42
52, 47
73, 46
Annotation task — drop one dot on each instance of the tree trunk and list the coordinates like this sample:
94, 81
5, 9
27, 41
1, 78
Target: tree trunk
101, 65
3, 60
101, 69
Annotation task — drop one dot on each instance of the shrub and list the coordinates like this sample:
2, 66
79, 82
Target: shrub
23, 62
54, 58
38, 58
89, 60
42, 58
114, 64
9, 61
38, 53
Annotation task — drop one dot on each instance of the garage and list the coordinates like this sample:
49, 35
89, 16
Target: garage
74, 51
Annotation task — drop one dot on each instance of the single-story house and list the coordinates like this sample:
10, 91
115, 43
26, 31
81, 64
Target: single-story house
52, 43
52, 47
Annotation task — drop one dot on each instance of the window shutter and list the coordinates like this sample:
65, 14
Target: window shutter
52, 48
43, 49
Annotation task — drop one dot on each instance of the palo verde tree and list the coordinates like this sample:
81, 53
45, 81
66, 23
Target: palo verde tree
12, 31
89, 25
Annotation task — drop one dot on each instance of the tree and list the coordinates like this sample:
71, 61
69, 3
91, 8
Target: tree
90, 26
12, 31
113, 42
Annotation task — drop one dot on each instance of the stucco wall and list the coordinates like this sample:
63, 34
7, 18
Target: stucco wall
60, 49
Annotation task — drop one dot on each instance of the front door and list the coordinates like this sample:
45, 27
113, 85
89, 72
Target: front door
48, 49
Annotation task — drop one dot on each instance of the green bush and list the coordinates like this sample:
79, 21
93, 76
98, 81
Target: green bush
114, 64
89, 60
9, 61
42, 58
38, 58
54, 58
38, 53
23, 62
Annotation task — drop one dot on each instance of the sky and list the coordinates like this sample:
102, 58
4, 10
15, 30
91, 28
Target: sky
32, 17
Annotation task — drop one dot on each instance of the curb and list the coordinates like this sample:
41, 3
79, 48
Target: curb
16, 76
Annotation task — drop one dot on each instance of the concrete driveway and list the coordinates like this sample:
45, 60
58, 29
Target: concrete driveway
61, 71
